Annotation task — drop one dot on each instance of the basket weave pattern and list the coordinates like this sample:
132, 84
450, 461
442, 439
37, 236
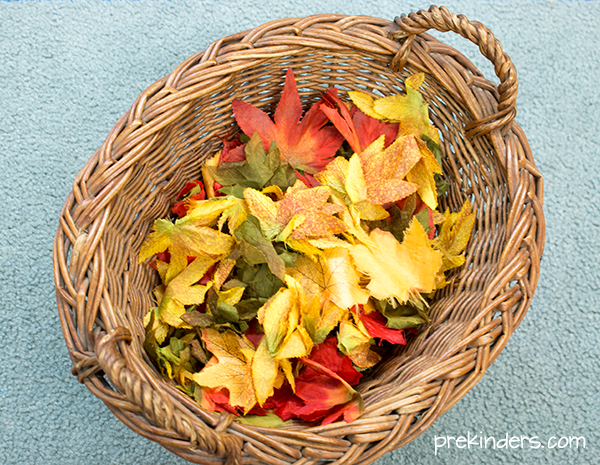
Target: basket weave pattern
162, 142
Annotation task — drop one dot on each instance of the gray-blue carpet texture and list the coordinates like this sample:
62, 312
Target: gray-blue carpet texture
70, 69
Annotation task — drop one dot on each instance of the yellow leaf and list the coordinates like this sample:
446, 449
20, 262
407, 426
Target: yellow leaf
398, 271
233, 370
183, 238
302, 213
234, 215
297, 344
454, 236
330, 277
410, 110
373, 178
319, 320
274, 315
206, 212
286, 366
182, 290
265, 370
365, 103
355, 180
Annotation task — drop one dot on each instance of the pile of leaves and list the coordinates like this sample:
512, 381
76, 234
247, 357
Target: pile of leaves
310, 246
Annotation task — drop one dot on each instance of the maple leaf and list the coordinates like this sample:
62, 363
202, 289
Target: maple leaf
182, 290
398, 270
423, 173
305, 145
280, 318
410, 110
326, 354
355, 342
192, 191
358, 129
258, 169
331, 276
374, 177
302, 213
375, 323
454, 236
232, 369
252, 240
188, 236
265, 370
326, 394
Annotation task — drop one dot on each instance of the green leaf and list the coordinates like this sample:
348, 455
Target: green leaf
403, 316
197, 319
260, 169
270, 420
176, 346
250, 232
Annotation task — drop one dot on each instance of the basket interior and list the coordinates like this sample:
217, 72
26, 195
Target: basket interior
179, 149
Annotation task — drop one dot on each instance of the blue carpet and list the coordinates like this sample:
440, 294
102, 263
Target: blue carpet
69, 70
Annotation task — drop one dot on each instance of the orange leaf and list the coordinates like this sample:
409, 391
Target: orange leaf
306, 144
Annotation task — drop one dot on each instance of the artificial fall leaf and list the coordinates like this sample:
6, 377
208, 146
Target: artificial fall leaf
184, 238
284, 402
355, 342
320, 319
192, 191
280, 318
398, 270
330, 277
423, 174
302, 213
251, 239
374, 178
454, 236
410, 110
183, 290
233, 370
258, 169
358, 129
305, 145
265, 370
326, 394
326, 354
375, 323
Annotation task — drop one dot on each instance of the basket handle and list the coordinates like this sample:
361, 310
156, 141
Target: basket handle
441, 19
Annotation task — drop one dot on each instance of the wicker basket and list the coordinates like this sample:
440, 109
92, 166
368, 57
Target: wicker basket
162, 142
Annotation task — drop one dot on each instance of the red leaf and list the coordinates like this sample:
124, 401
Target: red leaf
284, 402
306, 144
180, 208
216, 187
189, 186
326, 354
308, 179
233, 150
375, 324
357, 128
